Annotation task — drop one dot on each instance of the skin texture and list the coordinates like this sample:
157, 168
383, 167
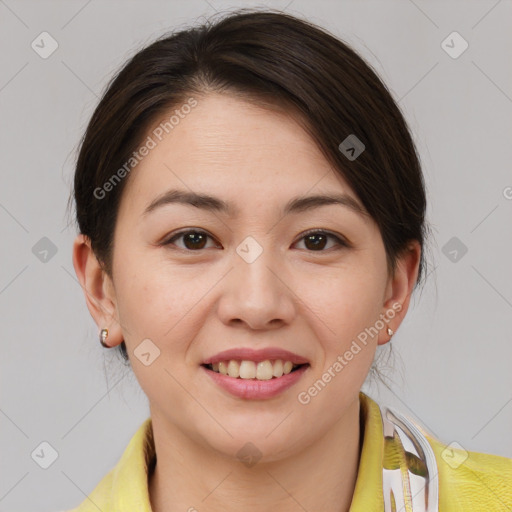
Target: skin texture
194, 303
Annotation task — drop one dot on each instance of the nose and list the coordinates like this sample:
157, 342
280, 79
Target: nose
258, 294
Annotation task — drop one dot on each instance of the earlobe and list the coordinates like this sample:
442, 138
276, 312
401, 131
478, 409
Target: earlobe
98, 289
400, 288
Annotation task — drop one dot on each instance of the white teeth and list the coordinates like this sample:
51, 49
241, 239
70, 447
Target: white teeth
287, 367
234, 368
278, 368
247, 370
263, 370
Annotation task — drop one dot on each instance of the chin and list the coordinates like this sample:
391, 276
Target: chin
267, 441
255, 449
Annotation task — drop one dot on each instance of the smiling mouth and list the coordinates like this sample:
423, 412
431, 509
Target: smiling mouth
250, 370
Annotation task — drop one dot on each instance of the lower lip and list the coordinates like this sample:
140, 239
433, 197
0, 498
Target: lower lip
253, 389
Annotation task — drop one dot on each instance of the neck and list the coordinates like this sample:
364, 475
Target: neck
321, 476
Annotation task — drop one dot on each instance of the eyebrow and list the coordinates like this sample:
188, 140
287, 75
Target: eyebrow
215, 204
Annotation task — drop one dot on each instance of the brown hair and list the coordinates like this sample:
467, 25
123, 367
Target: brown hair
273, 59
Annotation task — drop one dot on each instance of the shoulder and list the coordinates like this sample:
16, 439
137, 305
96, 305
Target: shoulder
471, 481
461, 481
127, 481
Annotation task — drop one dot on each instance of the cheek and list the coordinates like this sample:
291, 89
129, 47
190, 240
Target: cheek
151, 298
345, 302
156, 304
345, 310
164, 302
346, 306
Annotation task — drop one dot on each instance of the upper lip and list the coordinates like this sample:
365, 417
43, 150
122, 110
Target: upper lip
249, 354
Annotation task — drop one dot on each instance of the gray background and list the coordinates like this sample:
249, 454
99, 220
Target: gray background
58, 384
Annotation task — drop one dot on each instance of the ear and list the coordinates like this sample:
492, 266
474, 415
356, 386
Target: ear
98, 289
399, 290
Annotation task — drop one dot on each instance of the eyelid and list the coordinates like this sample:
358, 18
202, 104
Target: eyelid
341, 239
169, 240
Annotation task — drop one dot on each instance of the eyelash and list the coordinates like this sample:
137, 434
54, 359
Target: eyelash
341, 243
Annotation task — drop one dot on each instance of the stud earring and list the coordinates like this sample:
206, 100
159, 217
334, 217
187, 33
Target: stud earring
390, 332
103, 337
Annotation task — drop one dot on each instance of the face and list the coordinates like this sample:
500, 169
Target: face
193, 280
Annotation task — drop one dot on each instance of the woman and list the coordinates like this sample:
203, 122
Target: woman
252, 225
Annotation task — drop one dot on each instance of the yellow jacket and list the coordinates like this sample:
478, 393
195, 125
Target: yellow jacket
468, 481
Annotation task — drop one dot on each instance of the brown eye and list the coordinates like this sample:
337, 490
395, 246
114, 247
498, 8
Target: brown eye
314, 241
317, 240
193, 240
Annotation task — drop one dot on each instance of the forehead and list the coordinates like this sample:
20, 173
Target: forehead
228, 146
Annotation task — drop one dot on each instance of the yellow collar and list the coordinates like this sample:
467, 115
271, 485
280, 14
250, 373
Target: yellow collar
368, 495
477, 482
125, 487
